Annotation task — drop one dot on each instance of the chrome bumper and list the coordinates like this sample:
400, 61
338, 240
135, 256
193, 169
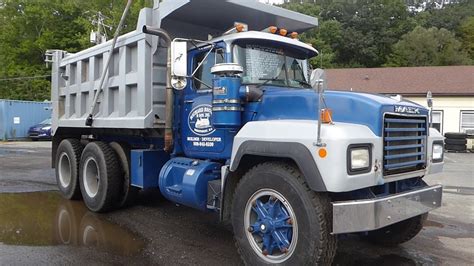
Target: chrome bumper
366, 215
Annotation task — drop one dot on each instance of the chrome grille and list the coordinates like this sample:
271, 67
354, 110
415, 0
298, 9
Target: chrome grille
404, 143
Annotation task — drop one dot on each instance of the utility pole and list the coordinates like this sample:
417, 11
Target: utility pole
99, 36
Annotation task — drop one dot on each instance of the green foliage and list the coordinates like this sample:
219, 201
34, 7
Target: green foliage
30, 27
370, 33
467, 36
428, 47
364, 33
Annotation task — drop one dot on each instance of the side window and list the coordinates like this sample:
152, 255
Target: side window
437, 120
203, 74
467, 122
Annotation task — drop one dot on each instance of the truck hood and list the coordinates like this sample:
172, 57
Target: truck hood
349, 107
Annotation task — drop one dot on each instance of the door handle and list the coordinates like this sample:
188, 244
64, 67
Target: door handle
189, 101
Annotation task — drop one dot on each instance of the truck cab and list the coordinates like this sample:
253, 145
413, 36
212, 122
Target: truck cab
272, 62
238, 124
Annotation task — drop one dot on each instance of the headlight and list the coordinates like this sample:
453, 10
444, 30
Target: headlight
359, 158
437, 151
46, 128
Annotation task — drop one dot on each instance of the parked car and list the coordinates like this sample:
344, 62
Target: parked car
41, 130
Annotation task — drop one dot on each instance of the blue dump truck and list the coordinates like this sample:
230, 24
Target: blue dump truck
215, 104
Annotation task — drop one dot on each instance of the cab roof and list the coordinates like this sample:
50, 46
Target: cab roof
264, 36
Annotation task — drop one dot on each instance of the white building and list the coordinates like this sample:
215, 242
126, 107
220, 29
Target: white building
452, 88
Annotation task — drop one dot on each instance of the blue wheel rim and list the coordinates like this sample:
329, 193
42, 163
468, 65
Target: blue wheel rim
271, 226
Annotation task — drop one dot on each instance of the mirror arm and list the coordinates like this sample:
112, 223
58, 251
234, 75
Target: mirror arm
319, 142
202, 82
202, 61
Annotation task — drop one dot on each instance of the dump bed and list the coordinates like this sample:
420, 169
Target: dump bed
133, 94
134, 89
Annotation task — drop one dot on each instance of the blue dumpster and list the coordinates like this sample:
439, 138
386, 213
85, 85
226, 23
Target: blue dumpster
16, 117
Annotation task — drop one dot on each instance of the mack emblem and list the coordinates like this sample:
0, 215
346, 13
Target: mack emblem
407, 109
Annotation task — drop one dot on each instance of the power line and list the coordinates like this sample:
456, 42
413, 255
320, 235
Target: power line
23, 78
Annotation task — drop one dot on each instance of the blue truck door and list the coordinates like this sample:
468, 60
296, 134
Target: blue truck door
199, 138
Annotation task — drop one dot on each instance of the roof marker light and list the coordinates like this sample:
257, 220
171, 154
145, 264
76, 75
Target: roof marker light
283, 32
272, 29
240, 27
294, 35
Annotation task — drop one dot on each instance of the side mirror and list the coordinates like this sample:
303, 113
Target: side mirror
179, 64
318, 80
429, 99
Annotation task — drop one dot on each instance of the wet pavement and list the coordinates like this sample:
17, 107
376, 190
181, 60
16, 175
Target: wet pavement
46, 219
41, 228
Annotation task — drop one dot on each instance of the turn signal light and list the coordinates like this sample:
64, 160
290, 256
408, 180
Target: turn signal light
294, 35
326, 116
322, 153
283, 32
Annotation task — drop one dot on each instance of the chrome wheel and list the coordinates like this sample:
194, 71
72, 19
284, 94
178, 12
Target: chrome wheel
271, 226
91, 177
64, 171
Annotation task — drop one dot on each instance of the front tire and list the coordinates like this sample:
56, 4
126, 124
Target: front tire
67, 160
277, 219
100, 178
397, 233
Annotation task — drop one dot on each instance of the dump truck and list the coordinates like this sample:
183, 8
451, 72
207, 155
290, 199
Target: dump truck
215, 105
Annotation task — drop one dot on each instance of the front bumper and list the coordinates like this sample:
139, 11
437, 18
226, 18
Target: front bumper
371, 214
39, 135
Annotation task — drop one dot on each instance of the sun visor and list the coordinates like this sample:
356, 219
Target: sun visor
198, 18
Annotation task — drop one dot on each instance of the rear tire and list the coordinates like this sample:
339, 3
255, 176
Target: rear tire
68, 156
128, 193
398, 233
100, 178
280, 188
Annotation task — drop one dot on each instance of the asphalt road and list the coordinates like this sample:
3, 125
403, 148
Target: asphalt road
38, 227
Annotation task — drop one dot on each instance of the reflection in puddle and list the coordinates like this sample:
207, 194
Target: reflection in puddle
45, 219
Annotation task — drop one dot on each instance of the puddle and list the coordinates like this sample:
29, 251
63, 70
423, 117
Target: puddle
385, 260
15, 151
433, 224
46, 219
458, 190
7, 152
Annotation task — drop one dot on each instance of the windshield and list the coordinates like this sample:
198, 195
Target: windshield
264, 64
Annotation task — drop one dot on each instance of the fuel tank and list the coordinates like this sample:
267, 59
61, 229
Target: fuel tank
185, 181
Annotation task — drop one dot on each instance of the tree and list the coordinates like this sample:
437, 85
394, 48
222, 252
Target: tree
449, 17
467, 36
30, 27
370, 30
428, 47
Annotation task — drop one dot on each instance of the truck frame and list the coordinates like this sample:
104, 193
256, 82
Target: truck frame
215, 104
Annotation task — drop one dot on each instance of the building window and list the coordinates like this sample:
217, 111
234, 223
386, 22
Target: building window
437, 120
467, 122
